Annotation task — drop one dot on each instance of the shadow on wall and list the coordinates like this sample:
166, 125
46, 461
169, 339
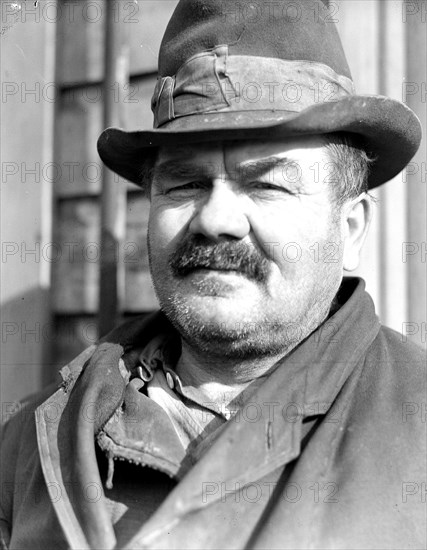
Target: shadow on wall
27, 362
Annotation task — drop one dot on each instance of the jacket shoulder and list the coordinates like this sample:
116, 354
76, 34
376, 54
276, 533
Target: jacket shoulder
398, 364
19, 419
18, 439
15, 415
397, 346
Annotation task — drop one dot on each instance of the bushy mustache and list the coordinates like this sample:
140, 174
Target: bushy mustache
198, 252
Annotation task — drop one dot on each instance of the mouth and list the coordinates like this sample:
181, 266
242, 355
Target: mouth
215, 281
213, 269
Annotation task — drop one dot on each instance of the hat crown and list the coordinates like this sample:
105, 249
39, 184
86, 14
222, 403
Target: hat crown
289, 30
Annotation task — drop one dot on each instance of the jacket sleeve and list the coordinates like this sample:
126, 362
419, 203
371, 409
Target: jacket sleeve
10, 442
10, 445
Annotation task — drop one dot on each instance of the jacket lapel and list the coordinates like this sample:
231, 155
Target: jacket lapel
93, 388
48, 417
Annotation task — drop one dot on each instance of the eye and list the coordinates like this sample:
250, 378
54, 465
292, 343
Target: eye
189, 185
268, 186
185, 190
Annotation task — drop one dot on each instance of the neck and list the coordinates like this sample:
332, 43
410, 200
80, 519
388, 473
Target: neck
221, 380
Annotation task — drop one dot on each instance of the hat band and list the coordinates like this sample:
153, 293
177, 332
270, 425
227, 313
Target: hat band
214, 81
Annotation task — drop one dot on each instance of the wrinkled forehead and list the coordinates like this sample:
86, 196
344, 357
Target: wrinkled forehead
244, 151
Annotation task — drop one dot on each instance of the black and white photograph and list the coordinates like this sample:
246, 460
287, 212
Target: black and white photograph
213, 275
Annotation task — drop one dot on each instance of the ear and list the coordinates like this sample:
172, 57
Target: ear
357, 218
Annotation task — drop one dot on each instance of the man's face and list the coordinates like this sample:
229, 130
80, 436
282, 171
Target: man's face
245, 246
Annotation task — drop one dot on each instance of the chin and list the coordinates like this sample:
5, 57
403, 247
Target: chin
219, 328
217, 311
231, 339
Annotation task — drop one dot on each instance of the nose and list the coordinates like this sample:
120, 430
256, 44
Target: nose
222, 214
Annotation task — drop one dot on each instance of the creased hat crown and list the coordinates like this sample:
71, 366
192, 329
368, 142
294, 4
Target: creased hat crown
292, 30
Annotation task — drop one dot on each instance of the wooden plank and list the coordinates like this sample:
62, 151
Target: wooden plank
80, 41
146, 34
79, 123
113, 193
78, 126
76, 269
81, 36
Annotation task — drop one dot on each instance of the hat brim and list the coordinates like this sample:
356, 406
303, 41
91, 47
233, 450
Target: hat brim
391, 132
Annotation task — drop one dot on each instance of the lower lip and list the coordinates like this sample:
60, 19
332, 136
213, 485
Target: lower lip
216, 282
206, 271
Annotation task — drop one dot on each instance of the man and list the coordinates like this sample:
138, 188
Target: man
263, 408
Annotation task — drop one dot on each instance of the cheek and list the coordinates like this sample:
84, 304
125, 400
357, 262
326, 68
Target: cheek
157, 228
166, 224
291, 236
278, 228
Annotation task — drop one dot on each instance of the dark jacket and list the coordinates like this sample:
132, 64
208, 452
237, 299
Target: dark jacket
330, 451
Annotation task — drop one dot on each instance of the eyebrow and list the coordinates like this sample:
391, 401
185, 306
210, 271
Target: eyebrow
176, 169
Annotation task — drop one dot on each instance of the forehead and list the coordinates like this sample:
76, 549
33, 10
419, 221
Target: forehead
305, 148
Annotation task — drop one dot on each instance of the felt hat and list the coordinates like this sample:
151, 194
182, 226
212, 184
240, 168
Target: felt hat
260, 70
